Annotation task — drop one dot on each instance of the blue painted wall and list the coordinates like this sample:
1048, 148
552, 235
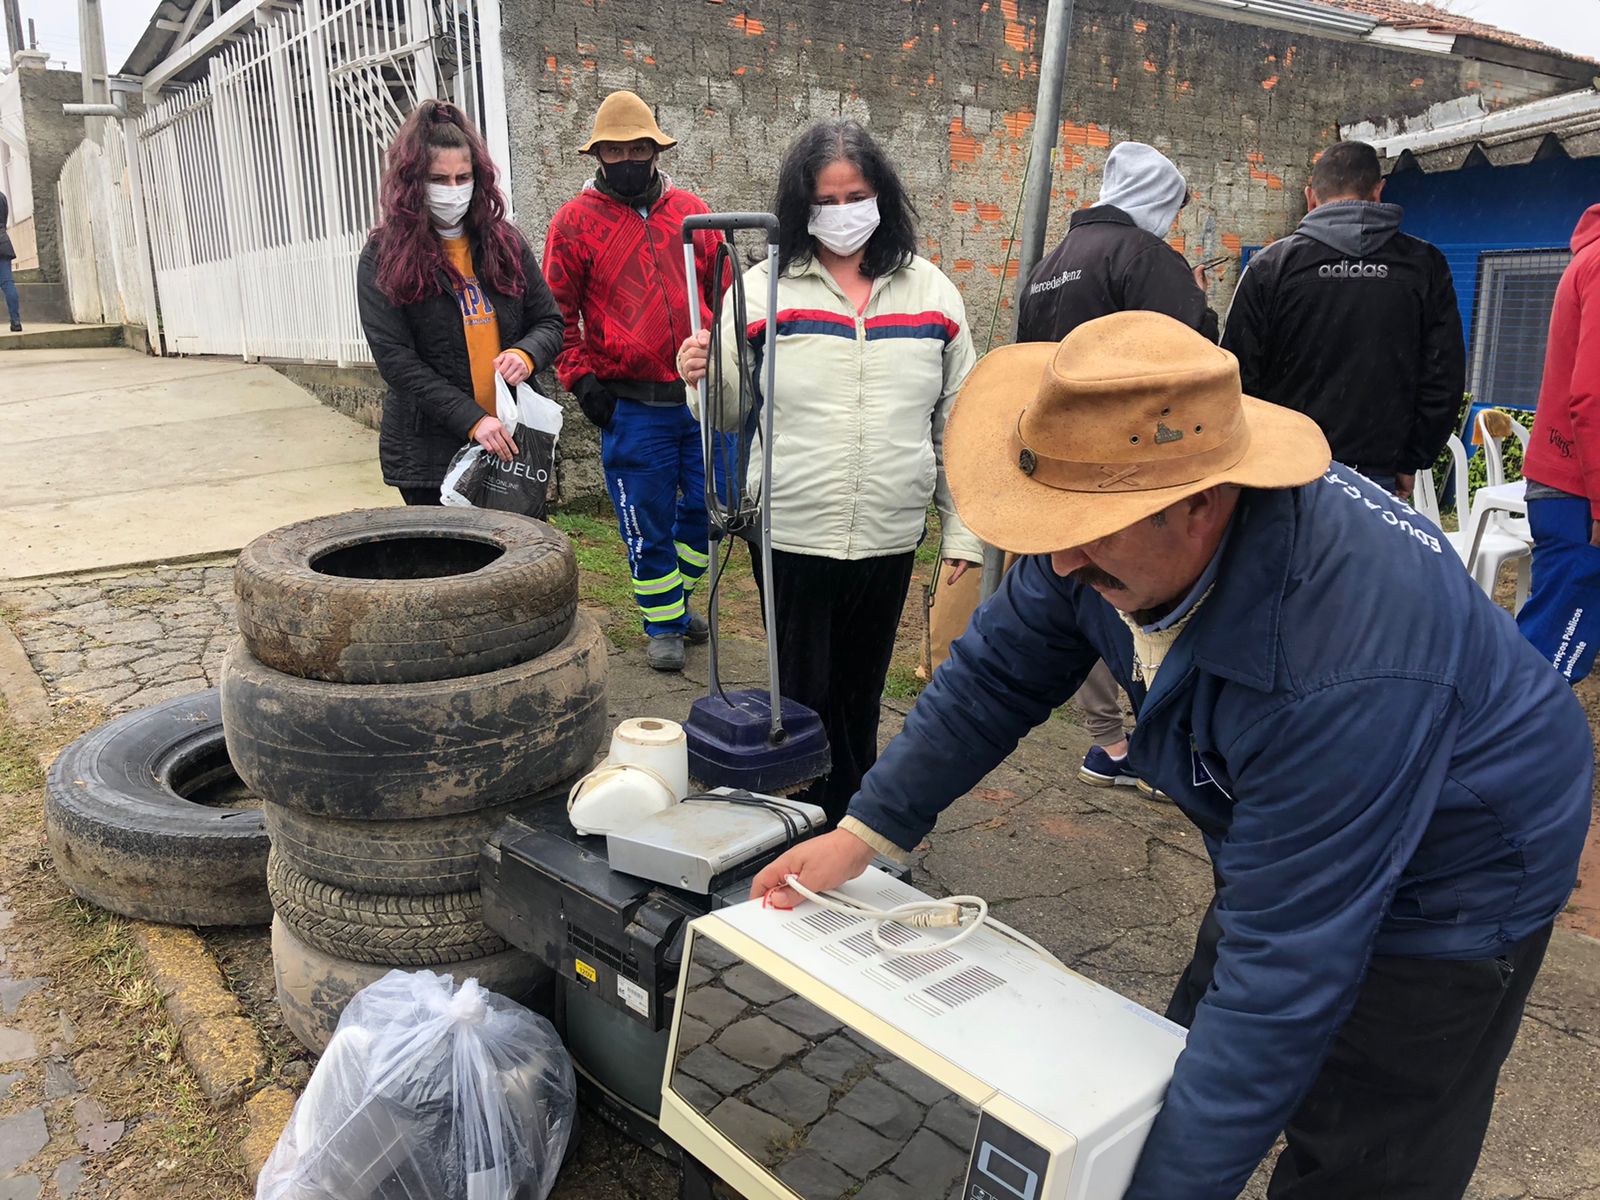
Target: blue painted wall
1464, 213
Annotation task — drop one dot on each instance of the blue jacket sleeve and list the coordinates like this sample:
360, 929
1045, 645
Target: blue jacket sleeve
1332, 793
1022, 656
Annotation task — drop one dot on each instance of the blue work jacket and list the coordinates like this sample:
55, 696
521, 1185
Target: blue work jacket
1377, 761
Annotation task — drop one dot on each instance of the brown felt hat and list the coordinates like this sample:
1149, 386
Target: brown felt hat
1052, 445
623, 117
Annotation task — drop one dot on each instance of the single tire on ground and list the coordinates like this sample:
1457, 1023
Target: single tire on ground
421, 857
402, 931
313, 987
405, 595
401, 751
146, 817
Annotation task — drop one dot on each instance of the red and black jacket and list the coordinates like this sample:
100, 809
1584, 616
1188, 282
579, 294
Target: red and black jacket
619, 279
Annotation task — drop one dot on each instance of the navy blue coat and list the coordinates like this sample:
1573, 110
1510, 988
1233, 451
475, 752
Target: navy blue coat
1378, 763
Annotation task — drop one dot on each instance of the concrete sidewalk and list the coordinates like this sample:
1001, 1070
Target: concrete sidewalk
110, 458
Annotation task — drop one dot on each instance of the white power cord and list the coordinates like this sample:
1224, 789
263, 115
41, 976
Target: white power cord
966, 914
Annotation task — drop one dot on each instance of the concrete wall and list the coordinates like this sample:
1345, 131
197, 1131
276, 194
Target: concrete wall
51, 137
949, 87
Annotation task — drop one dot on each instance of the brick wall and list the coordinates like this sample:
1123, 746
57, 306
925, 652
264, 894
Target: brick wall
52, 136
949, 87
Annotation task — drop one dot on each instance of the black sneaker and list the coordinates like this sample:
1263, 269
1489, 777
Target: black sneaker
665, 653
16, 328
698, 632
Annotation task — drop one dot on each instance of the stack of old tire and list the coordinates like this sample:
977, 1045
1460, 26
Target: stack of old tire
405, 679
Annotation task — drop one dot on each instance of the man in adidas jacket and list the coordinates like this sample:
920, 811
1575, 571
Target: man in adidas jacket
1355, 324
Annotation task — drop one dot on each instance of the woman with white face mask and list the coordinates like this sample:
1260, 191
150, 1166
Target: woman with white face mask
450, 295
872, 347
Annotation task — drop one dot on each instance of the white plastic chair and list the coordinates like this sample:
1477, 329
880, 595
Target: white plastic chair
1495, 474
1496, 547
1423, 497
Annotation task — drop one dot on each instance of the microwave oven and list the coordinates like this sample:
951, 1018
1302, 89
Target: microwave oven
806, 1063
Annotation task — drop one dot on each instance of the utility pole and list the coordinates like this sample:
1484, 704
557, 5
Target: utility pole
14, 40
1036, 193
92, 52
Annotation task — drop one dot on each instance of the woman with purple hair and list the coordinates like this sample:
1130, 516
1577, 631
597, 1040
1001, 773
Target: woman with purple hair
450, 296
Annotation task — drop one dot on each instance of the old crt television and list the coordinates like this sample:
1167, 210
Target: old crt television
807, 1063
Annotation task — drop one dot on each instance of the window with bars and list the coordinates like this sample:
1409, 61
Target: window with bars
1510, 324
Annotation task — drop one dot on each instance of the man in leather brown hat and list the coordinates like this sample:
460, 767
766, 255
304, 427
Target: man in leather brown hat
614, 262
1394, 788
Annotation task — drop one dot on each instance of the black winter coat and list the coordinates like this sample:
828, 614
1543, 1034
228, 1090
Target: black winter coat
1106, 264
1355, 324
421, 352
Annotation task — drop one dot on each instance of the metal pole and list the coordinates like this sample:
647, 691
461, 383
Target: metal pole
1036, 192
14, 40
141, 234
494, 121
328, 164
92, 52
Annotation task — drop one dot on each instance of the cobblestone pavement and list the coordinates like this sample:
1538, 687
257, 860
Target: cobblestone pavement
127, 640
1110, 882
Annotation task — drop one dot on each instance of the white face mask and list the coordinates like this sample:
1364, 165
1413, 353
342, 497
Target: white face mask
449, 204
844, 228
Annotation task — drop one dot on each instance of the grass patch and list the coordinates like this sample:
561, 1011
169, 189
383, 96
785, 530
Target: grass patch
902, 682
19, 756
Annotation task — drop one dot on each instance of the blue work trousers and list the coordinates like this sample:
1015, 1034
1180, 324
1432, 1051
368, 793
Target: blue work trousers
1562, 615
656, 476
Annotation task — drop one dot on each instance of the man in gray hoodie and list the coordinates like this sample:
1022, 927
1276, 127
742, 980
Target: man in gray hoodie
1355, 324
1114, 258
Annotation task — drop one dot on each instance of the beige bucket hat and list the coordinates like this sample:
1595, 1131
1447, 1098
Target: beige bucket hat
1052, 445
623, 117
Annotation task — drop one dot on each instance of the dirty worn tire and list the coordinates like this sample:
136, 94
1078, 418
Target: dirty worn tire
405, 595
421, 857
406, 750
126, 836
376, 928
313, 987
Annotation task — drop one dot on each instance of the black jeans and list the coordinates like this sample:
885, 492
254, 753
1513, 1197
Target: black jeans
836, 625
1400, 1107
419, 496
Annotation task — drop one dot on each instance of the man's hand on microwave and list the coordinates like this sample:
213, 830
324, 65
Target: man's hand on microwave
821, 864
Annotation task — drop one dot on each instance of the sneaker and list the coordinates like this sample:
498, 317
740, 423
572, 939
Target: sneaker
1101, 770
1151, 792
698, 632
15, 328
665, 653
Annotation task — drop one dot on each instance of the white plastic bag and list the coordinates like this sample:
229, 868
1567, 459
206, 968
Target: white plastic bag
477, 479
428, 1091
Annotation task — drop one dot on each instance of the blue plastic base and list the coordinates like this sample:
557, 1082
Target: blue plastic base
730, 743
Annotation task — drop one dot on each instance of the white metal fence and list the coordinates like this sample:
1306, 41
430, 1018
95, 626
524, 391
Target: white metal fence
261, 179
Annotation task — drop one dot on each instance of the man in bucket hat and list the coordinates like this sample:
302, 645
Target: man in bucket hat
1393, 787
614, 262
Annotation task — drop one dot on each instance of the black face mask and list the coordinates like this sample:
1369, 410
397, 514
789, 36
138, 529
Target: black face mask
630, 178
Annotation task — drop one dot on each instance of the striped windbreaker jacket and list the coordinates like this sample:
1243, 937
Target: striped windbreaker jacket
859, 410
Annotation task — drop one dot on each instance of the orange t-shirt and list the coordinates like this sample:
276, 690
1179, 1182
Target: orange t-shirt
479, 323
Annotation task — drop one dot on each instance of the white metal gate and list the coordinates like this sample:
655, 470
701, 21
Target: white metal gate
262, 178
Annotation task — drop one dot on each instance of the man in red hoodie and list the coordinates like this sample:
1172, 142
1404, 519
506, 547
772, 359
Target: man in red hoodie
614, 261
1562, 615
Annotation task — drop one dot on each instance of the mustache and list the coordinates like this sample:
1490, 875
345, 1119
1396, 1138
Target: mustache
1092, 576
